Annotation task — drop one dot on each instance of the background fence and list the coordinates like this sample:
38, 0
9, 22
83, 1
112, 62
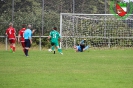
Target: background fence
44, 14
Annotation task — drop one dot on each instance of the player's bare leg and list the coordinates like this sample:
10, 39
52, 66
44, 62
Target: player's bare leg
11, 47
14, 47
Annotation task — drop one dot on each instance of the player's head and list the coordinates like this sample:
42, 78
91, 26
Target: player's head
23, 25
54, 28
10, 24
29, 26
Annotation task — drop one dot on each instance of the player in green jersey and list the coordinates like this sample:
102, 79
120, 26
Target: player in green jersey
54, 38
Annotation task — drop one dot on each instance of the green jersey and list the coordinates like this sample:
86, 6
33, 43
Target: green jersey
54, 37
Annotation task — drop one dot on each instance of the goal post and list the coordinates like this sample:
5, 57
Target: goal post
100, 30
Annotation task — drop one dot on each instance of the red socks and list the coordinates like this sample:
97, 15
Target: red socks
11, 47
14, 49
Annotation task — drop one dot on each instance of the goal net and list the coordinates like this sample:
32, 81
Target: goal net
99, 30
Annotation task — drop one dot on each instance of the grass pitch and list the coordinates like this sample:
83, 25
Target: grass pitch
95, 68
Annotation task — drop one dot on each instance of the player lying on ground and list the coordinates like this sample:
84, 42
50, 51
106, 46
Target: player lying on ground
82, 44
81, 47
78, 48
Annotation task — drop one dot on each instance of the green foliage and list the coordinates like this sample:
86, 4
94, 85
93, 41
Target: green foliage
29, 11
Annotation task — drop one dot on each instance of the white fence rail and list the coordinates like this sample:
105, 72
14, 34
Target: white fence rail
68, 41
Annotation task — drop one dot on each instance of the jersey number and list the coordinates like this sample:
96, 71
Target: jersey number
54, 35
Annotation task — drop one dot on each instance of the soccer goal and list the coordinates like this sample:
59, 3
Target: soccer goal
100, 30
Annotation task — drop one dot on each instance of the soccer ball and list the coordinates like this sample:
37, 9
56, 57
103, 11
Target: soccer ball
50, 50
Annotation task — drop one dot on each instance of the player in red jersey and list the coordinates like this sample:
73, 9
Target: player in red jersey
11, 34
21, 36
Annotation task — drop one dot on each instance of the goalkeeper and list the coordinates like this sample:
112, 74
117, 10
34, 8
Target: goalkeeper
82, 44
81, 47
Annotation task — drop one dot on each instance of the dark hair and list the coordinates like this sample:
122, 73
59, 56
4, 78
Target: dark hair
55, 28
24, 25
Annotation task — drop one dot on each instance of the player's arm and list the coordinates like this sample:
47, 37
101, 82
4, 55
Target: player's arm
30, 40
30, 34
49, 37
15, 34
82, 42
6, 33
19, 37
33, 31
59, 38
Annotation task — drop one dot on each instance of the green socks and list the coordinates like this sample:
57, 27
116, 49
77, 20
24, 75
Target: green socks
59, 50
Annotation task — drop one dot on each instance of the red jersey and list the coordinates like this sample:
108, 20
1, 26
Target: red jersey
21, 34
11, 32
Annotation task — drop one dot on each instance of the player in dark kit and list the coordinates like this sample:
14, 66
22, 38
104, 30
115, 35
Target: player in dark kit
28, 39
82, 44
81, 47
78, 48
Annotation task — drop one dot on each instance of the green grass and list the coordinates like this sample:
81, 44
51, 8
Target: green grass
95, 68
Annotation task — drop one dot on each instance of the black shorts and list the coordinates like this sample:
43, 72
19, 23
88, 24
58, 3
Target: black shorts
52, 43
82, 45
27, 43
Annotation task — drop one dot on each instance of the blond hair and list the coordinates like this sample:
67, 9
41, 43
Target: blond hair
10, 24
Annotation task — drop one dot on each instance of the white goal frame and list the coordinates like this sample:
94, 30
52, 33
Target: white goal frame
105, 18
